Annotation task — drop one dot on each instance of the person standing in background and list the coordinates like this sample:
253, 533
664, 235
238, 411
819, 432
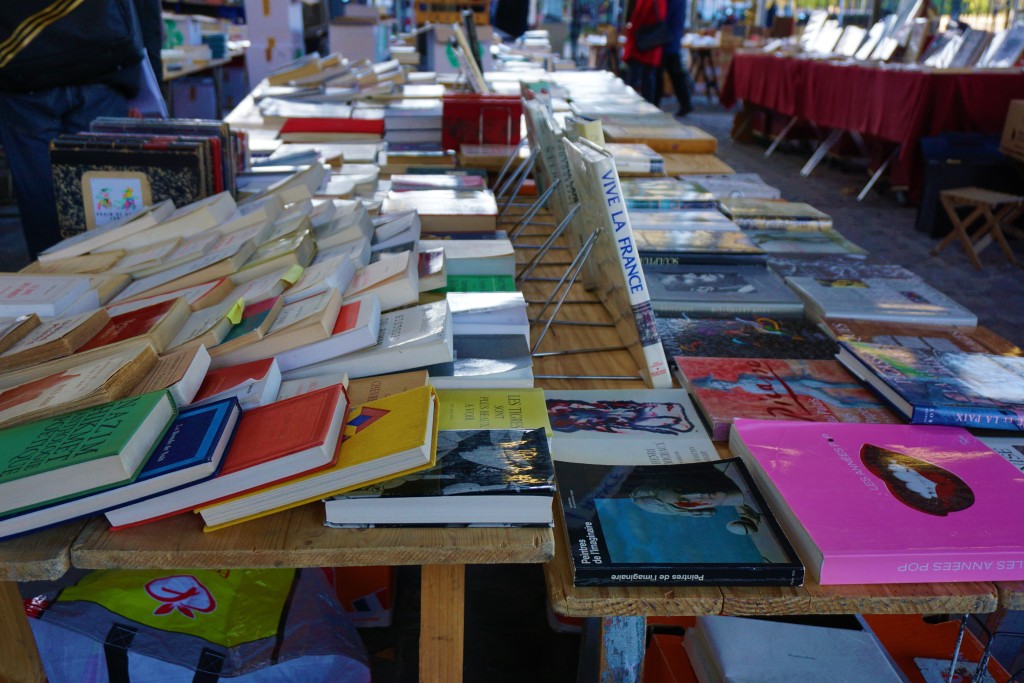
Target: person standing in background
643, 63
671, 59
62, 64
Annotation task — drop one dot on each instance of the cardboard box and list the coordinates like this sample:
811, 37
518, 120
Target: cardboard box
366, 593
1012, 142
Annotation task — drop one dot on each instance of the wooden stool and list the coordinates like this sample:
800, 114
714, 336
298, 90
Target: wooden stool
995, 209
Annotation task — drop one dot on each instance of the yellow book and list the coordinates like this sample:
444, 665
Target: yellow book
493, 409
390, 437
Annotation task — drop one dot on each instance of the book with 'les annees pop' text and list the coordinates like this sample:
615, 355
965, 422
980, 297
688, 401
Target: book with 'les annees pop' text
867, 504
690, 524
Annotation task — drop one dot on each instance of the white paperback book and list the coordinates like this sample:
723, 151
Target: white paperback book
395, 280
408, 338
356, 327
95, 239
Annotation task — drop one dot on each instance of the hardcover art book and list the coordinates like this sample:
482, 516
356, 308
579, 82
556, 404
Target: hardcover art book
708, 289
685, 247
777, 388
940, 495
926, 337
884, 299
665, 193
774, 214
627, 427
942, 387
693, 524
825, 241
625, 294
481, 477
753, 337
681, 219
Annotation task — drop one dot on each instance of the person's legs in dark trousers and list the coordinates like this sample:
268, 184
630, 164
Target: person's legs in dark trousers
680, 83
28, 122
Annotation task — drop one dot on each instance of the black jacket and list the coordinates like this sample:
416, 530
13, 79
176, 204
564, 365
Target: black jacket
50, 43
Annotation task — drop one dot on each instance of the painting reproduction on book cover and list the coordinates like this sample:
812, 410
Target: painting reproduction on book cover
692, 524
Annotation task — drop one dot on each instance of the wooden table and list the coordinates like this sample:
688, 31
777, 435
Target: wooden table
295, 538
618, 614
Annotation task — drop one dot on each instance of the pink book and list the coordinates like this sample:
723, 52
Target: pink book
888, 503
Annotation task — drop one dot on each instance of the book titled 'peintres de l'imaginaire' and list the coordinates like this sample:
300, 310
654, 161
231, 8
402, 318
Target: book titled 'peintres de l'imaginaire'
693, 524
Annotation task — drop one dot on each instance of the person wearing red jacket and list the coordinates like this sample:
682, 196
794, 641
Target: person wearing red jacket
643, 63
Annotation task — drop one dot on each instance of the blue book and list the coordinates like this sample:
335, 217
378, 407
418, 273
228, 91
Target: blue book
952, 388
190, 451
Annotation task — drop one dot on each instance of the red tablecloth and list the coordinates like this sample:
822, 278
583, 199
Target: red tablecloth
897, 106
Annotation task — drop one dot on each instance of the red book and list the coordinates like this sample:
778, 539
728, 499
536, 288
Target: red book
254, 383
273, 443
333, 125
158, 322
474, 119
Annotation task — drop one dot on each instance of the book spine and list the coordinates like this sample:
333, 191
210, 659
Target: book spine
633, 273
781, 224
967, 416
924, 567
689, 576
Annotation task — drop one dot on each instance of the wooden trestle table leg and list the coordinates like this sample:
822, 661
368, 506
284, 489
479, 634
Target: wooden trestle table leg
442, 622
612, 650
19, 657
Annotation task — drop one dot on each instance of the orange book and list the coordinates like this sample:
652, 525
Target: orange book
158, 323
272, 444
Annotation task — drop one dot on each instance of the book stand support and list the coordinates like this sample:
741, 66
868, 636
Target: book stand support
781, 136
518, 177
508, 163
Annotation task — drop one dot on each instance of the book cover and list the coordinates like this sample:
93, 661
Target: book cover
356, 327
724, 185
753, 337
407, 338
939, 494
685, 247
480, 477
389, 437
626, 295
180, 373
665, 193
447, 210
627, 427
91, 382
485, 360
493, 409
720, 290
635, 158
253, 383
13, 330
835, 266
779, 389
692, 524
54, 338
681, 219
888, 299
774, 214
826, 241
745, 649
926, 337
45, 295
272, 443
190, 450
81, 451
158, 323
97, 238
942, 387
